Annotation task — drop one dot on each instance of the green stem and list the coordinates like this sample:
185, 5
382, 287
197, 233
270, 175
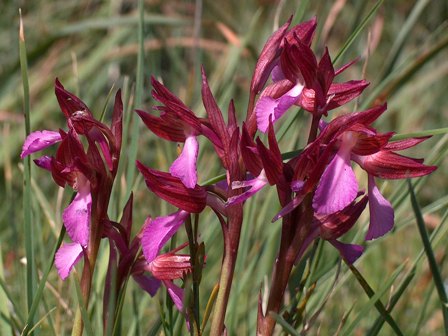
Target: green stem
225, 282
231, 242
193, 260
86, 285
314, 127
295, 225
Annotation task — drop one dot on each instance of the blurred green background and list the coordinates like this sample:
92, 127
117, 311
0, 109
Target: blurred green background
92, 46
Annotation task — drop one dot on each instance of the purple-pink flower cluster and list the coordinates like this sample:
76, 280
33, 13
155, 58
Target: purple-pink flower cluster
318, 190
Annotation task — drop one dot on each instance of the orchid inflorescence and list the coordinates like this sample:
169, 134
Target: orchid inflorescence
318, 191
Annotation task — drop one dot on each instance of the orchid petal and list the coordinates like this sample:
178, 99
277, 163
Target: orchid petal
69, 103
297, 186
214, 113
44, 162
268, 107
172, 190
174, 108
184, 167
277, 74
255, 185
176, 293
39, 140
350, 252
381, 212
99, 137
338, 223
338, 186
263, 110
268, 58
303, 31
66, 257
76, 216
405, 143
343, 93
287, 100
148, 283
158, 231
390, 165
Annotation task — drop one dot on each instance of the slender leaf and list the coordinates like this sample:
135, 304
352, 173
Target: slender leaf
132, 150
31, 273
357, 31
374, 300
285, 325
437, 277
38, 296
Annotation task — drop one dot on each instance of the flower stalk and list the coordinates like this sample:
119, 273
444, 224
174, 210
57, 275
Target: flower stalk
231, 243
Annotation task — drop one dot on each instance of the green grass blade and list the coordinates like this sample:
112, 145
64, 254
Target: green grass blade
82, 306
376, 328
11, 299
4, 310
43, 280
215, 179
357, 31
31, 278
106, 103
397, 79
287, 328
132, 150
117, 21
42, 319
403, 35
438, 281
436, 131
374, 300
422, 312
154, 331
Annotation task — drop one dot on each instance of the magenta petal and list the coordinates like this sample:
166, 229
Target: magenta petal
176, 293
76, 217
66, 257
268, 107
255, 185
290, 206
104, 145
184, 167
263, 110
44, 162
350, 252
297, 186
338, 186
381, 212
322, 125
148, 283
158, 231
277, 74
287, 100
39, 140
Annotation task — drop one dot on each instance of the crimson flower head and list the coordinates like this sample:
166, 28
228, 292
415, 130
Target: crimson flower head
376, 154
179, 124
89, 169
351, 138
310, 86
297, 77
